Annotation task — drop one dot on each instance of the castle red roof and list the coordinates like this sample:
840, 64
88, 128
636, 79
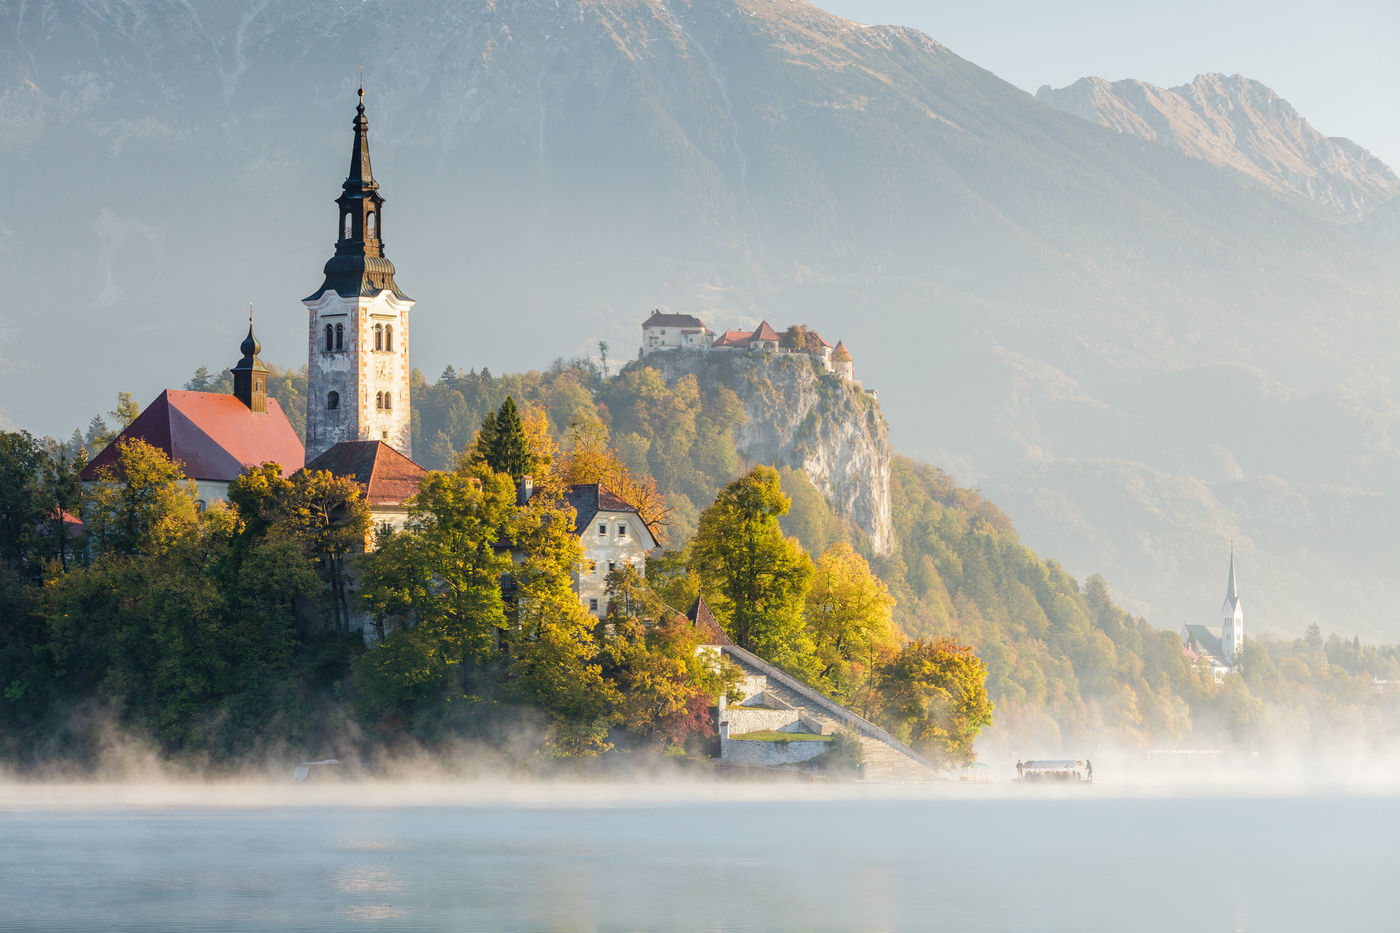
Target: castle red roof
212, 435
385, 476
841, 354
764, 332
733, 338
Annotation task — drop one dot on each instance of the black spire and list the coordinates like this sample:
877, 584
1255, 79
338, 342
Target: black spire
359, 266
249, 374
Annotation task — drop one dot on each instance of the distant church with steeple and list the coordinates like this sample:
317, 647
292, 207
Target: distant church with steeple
1220, 651
357, 360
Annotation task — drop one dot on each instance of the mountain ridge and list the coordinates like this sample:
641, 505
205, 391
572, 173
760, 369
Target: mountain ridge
1242, 124
561, 169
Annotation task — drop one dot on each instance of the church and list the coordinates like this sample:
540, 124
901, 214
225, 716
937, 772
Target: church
1219, 651
359, 422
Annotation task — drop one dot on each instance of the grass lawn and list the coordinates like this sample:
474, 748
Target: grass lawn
772, 735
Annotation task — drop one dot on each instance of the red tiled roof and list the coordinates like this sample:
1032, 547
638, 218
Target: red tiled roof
764, 332
733, 338
212, 435
386, 476
658, 319
706, 625
841, 354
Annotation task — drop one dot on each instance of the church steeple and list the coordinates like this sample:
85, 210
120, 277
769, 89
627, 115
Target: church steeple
249, 373
1232, 594
357, 368
359, 266
1232, 629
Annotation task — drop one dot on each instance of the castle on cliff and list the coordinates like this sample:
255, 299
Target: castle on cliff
663, 331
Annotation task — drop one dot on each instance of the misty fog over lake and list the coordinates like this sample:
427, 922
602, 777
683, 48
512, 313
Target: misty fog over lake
780, 858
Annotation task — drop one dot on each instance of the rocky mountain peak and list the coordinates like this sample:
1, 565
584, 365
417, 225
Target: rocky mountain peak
1240, 123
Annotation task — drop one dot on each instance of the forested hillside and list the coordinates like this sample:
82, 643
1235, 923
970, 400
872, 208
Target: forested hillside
1066, 666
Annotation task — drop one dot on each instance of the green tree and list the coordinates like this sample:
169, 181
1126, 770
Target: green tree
935, 697
849, 614
141, 505
755, 579
503, 443
324, 513
126, 411
23, 505
555, 665
438, 583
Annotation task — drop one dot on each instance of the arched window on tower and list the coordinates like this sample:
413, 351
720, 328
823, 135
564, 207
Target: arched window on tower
379, 336
330, 338
340, 336
379, 400
369, 224
332, 401
348, 227
388, 401
388, 336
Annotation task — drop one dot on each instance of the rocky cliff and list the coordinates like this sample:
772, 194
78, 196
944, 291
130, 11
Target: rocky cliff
801, 417
1241, 124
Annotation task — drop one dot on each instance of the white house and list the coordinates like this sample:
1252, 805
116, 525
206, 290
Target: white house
674, 332
613, 534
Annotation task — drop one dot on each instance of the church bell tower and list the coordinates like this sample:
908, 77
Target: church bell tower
357, 359
1232, 629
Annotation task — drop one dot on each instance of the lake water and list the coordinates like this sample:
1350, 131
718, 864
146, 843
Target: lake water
708, 858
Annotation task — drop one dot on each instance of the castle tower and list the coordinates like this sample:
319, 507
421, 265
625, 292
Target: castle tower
1232, 631
357, 359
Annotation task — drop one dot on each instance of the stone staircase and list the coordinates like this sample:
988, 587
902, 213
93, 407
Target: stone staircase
886, 758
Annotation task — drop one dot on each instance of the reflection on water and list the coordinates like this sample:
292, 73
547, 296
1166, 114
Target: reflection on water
912, 862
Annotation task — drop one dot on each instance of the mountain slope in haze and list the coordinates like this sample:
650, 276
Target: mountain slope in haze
1045, 305
1238, 123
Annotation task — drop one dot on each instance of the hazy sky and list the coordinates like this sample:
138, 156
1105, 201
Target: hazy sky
1337, 63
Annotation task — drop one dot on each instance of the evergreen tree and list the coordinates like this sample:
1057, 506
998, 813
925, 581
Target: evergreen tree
200, 381
505, 446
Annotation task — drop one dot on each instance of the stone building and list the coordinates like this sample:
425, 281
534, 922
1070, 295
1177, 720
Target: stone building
674, 332
214, 436
841, 362
386, 478
612, 533
776, 704
357, 339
